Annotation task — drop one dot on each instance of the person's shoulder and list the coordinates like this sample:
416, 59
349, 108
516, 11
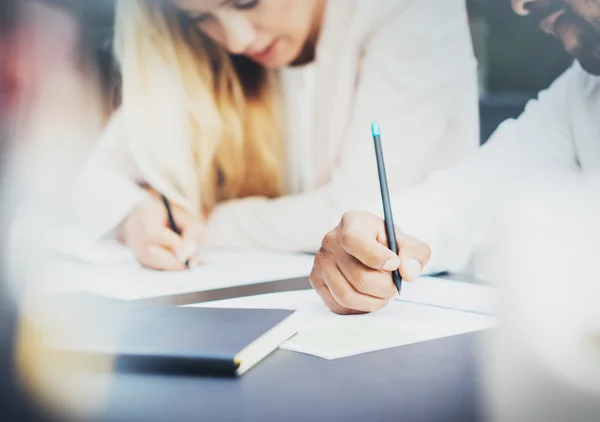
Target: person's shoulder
365, 15
367, 18
586, 84
378, 12
575, 93
575, 86
573, 82
385, 11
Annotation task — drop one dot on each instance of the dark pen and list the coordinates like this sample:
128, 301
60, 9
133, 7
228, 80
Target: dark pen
385, 198
172, 222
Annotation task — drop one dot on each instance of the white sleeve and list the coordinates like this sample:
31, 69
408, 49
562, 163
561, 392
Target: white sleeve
109, 188
451, 211
401, 84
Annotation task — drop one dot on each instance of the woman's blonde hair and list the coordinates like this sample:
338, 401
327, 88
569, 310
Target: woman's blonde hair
200, 123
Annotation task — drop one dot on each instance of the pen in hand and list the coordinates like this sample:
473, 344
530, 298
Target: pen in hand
172, 222
385, 198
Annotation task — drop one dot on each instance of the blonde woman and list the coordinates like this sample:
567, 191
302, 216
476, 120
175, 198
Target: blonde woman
252, 117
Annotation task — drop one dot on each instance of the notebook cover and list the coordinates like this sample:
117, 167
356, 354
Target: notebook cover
153, 338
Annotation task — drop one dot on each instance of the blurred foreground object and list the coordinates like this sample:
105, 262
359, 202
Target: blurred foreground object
60, 109
545, 362
14, 404
50, 111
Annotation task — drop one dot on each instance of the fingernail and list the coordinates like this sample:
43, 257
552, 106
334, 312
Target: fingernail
188, 251
392, 264
411, 269
197, 262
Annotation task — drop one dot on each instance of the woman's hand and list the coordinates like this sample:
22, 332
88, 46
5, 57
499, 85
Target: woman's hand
148, 233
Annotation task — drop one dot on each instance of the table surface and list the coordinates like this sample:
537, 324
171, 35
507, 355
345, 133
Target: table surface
432, 381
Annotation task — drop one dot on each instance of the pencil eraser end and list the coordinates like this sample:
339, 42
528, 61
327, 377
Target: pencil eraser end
375, 130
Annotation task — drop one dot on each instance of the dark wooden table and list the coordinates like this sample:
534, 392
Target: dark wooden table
426, 382
431, 381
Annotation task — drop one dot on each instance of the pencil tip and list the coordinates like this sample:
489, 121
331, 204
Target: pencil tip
375, 130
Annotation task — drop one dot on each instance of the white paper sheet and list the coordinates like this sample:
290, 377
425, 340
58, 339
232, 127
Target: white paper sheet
432, 291
69, 259
476, 298
330, 336
127, 280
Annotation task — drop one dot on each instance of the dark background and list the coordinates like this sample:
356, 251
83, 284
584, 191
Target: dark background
516, 60
515, 55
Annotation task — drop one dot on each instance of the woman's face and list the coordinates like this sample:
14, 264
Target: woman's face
274, 33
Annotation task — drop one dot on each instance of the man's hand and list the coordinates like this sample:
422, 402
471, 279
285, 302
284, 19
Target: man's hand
352, 270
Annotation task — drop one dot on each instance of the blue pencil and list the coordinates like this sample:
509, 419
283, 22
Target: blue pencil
385, 198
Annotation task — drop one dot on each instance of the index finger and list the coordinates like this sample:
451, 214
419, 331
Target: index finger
360, 234
160, 259
192, 234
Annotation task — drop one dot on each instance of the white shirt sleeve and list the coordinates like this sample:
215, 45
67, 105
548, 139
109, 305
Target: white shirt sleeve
109, 188
401, 85
451, 211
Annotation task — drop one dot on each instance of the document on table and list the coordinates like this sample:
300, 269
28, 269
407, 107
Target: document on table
399, 324
402, 322
68, 258
436, 292
74, 262
129, 281
476, 298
